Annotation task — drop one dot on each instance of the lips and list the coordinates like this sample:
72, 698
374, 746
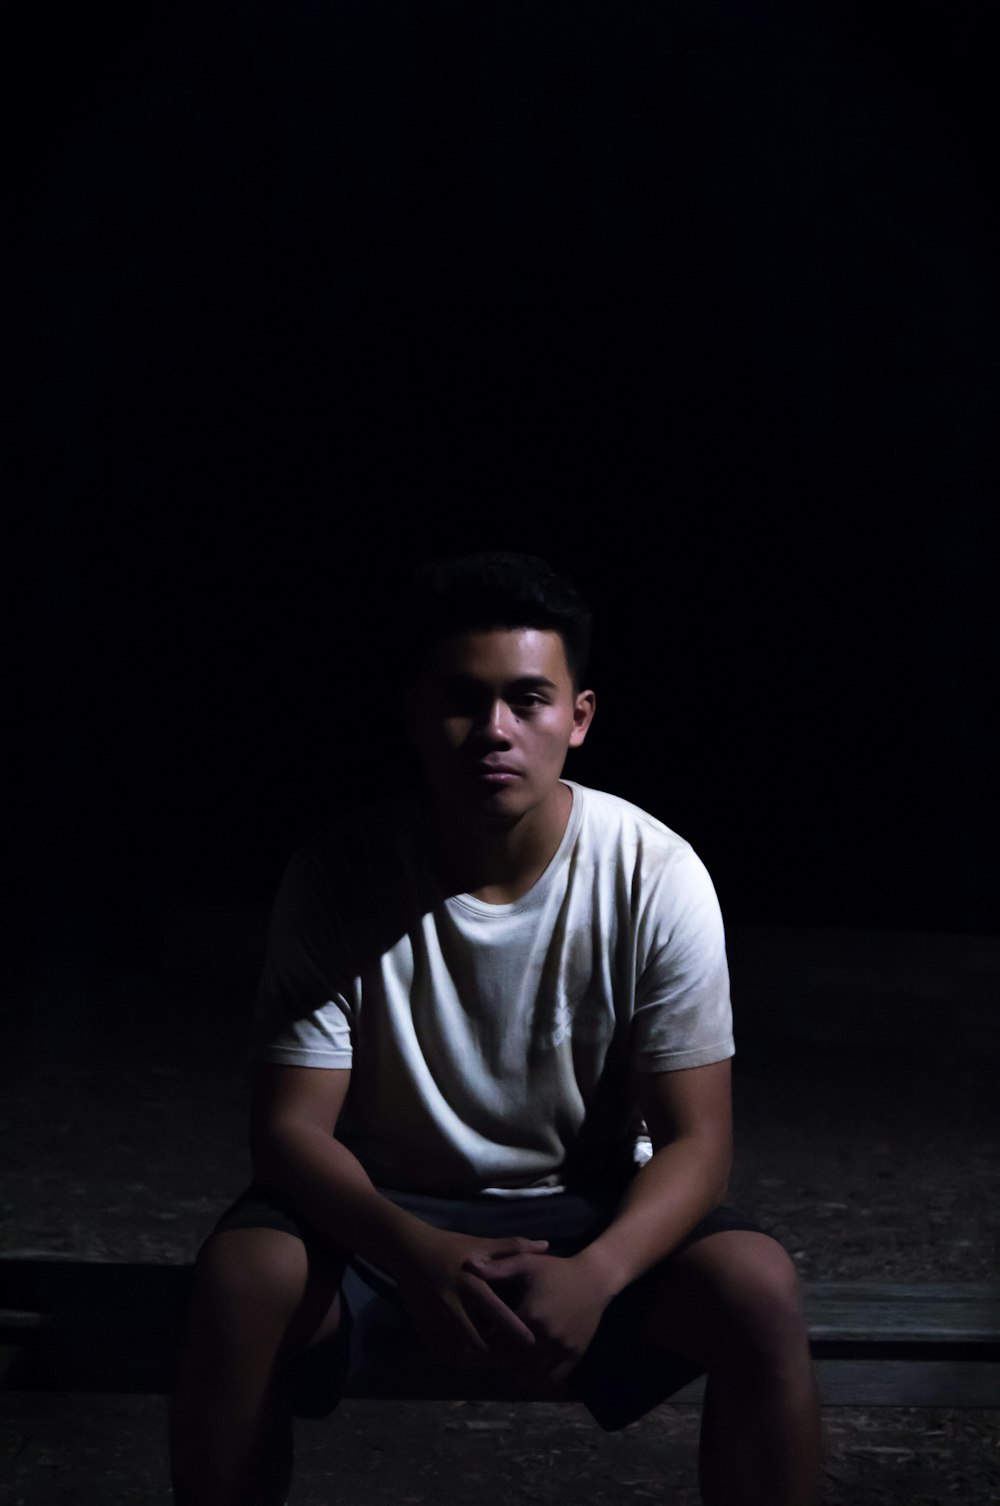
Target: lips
496, 772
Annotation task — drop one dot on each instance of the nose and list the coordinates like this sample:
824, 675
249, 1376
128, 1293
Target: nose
495, 725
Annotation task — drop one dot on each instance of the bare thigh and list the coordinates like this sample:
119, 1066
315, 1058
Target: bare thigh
263, 1288
733, 1297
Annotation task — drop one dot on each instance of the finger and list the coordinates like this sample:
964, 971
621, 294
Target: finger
501, 1249
490, 1267
448, 1331
551, 1362
560, 1374
463, 1342
485, 1300
493, 1332
546, 1365
555, 1379
511, 1250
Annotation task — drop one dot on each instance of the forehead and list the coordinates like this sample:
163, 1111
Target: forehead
499, 656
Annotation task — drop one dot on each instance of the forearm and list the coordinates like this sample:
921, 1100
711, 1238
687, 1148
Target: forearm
562, 1299
682, 1182
319, 1178
454, 1309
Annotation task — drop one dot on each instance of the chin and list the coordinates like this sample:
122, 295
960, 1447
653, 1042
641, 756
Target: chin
503, 808
496, 809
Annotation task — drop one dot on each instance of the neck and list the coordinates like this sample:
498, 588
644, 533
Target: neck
498, 862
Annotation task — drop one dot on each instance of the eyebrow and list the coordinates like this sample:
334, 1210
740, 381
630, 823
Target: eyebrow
460, 681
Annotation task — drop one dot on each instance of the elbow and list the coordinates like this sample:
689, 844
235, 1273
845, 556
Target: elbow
284, 1148
723, 1172
269, 1149
264, 1159
717, 1171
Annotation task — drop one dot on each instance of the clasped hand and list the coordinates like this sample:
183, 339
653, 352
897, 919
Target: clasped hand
452, 1303
500, 1302
557, 1300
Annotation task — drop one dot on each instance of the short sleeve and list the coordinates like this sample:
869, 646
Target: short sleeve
305, 1016
683, 1014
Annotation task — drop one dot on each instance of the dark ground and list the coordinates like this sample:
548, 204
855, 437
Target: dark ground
126, 1125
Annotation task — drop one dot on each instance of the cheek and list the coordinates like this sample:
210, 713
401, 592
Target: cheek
550, 743
452, 733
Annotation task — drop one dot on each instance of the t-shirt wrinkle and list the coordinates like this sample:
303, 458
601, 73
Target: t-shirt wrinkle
490, 1046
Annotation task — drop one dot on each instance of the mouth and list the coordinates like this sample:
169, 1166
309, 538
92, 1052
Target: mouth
496, 773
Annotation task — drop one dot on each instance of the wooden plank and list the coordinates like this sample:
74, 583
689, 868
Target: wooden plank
881, 1312
895, 1383
842, 1312
93, 1326
909, 1383
842, 1383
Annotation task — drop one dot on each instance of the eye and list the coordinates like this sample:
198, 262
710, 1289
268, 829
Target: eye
459, 701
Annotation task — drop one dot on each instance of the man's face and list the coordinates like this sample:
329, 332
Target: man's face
492, 715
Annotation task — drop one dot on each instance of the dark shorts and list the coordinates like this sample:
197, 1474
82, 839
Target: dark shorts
619, 1378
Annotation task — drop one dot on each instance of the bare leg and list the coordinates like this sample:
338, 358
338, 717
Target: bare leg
258, 1299
732, 1301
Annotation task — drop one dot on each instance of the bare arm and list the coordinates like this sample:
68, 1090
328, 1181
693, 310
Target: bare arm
562, 1299
298, 1159
689, 1114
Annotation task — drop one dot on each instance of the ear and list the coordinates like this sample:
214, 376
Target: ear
584, 707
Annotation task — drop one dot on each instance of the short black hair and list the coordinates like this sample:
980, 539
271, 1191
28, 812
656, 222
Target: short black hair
448, 595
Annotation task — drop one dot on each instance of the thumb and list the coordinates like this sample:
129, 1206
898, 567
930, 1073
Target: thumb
491, 1266
504, 1249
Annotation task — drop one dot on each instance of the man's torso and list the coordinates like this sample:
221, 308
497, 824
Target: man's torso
492, 1046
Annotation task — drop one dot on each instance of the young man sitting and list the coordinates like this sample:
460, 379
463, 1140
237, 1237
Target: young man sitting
474, 1001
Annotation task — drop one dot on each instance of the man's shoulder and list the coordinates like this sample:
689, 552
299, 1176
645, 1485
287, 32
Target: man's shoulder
612, 820
355, 885
368, 831
638, 855
361, 858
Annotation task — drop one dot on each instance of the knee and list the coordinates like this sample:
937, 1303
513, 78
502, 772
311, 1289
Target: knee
741, 1303
764, 1307
256, 1274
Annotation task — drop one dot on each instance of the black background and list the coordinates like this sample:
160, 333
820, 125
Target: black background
698, 301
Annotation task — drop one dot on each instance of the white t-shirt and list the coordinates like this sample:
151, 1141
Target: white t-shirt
491, 1047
